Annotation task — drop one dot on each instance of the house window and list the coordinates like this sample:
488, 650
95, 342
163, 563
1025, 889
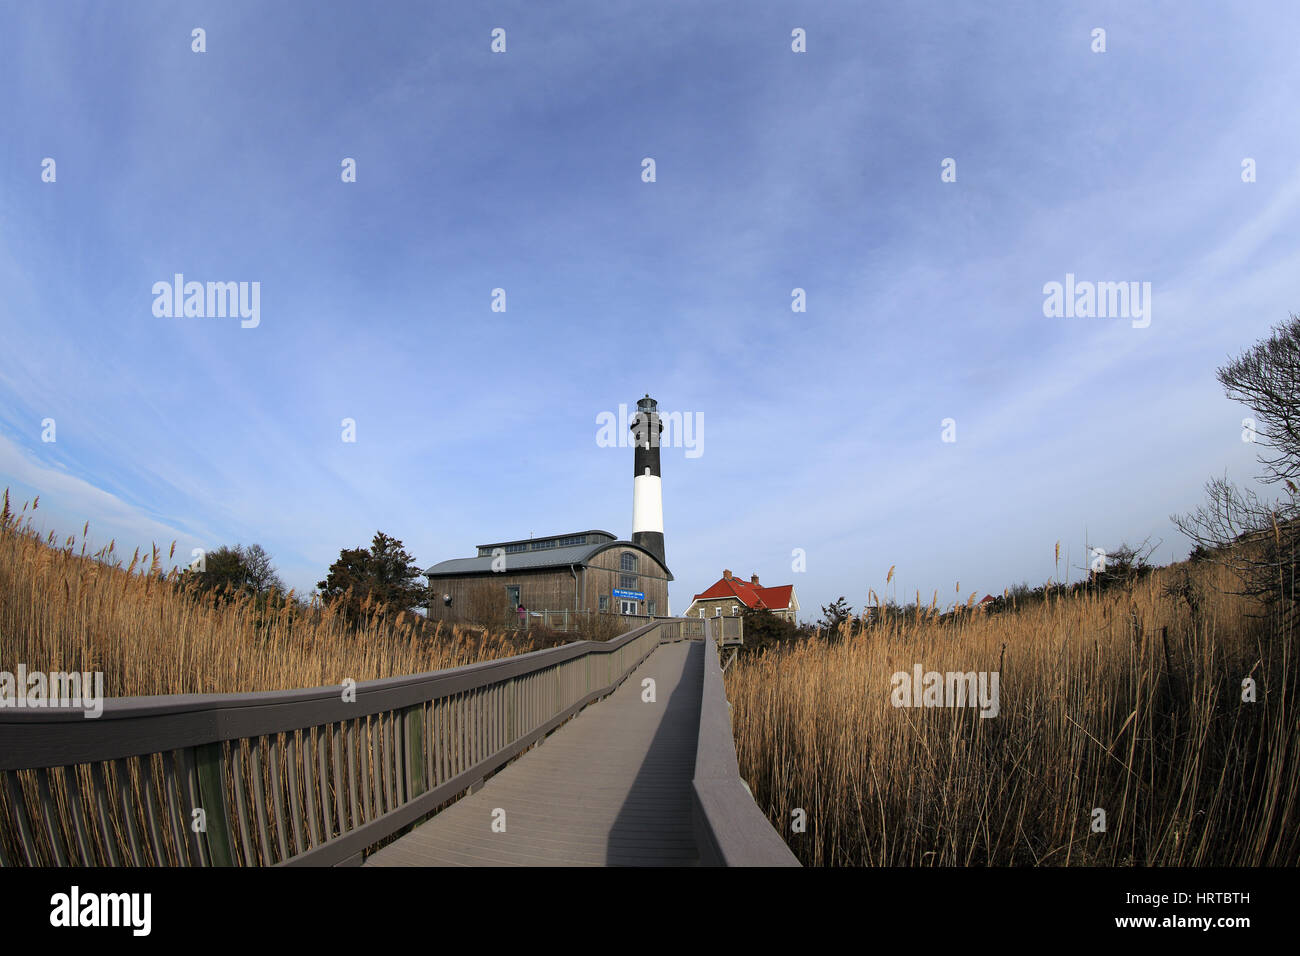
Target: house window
627, 607
627, 562
717, 611
512, 595
627, 582
650, 608
604, 602
734, 609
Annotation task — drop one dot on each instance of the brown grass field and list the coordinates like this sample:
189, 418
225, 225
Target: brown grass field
1128, 701
62, 609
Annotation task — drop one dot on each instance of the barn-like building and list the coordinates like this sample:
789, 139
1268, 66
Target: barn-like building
563, 579
585, 571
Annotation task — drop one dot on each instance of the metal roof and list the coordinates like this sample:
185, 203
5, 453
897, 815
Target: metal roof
549, 537
534, 560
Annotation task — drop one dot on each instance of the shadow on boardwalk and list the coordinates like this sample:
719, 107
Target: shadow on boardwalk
610, 787
654, 823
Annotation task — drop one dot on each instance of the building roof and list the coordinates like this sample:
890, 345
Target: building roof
578, 555
533, 542
751, 595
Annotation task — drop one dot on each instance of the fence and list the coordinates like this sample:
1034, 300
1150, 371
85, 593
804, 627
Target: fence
730, 829
296, 777
729, 630
567, 619
320, 776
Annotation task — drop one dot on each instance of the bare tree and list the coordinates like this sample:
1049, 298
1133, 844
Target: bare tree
1256, 538
259, 572
1266, 379
600, 626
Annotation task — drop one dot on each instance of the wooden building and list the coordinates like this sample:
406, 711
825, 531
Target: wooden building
569, 577
566, 576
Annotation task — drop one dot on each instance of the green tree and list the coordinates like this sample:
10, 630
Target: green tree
384, 576
835, 614
763, 629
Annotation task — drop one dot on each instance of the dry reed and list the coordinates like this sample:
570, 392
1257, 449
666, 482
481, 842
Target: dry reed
1129, 701
62, 609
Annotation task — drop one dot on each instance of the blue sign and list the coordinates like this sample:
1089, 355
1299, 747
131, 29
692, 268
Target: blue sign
630, 595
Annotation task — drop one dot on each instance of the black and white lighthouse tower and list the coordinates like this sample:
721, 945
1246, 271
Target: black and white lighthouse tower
647, 490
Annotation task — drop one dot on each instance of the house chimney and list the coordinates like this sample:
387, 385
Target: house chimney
647, 489
753, 579
726, 575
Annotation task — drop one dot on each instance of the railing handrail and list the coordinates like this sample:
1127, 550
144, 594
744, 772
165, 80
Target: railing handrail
730, 829
349, 773
407, 745
31, 738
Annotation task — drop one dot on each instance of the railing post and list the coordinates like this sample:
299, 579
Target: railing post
511, 696
208, 760
414, 739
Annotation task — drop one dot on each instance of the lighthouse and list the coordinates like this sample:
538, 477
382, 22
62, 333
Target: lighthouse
647, 491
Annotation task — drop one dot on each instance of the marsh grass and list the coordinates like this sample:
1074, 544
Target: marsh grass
64, 609
1129, 701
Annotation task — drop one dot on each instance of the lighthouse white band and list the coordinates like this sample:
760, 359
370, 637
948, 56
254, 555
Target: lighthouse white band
647, 504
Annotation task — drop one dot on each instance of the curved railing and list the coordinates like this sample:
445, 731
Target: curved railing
295, 777
320, 776
730, 829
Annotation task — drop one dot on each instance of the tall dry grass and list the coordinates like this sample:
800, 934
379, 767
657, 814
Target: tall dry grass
63, 609
1129, 701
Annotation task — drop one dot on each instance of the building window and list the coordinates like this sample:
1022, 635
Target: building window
516, 548
627, 607
572, 540
604, 602
512, 595
627, 582
717, 611
734, 609
650, 608
627, 562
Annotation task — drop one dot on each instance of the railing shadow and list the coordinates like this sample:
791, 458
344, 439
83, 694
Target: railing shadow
653, 826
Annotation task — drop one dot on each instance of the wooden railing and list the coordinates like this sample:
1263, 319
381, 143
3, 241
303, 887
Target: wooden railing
729, 631
730, 829
299, 777
320, 776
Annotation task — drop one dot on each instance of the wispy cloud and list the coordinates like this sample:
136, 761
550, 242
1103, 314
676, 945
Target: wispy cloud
522, 171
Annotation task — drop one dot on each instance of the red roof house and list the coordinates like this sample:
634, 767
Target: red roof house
729, 596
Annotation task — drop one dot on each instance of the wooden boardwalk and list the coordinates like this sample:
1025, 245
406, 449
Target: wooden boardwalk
610, 787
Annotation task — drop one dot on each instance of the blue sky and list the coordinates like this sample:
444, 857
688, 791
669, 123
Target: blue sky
522, 171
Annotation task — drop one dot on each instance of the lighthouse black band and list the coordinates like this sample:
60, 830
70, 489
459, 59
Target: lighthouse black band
647, 453
652, 541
